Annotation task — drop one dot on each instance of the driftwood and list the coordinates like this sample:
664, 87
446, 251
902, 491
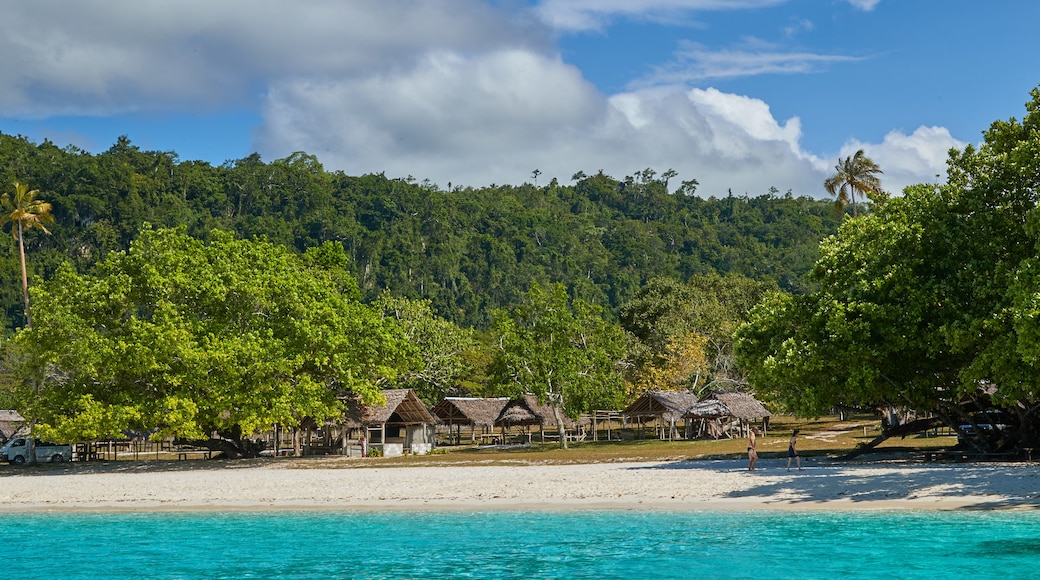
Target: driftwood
898, 431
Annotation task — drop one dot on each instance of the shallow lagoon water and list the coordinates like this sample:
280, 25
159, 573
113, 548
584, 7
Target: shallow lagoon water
601, 544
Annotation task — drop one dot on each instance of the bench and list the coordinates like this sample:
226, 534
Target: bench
963, 456
182, 454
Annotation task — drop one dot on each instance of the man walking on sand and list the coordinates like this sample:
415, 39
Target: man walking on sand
752, 455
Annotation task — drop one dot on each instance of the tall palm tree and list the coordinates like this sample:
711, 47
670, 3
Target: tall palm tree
855, 173
24, 212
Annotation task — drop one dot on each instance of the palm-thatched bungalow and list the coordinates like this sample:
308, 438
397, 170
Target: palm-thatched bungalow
402, 425
10, 423
527, 412
664, 408
722, 412
475, 412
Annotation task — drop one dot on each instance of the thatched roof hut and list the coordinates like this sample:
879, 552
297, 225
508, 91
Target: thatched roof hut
402, 407
528, 411
10, 423
717, 411
402, 424
667, 405
740, 405
470, 411
475, 412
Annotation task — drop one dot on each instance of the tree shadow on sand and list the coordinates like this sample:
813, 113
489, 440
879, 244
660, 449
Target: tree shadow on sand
825, 481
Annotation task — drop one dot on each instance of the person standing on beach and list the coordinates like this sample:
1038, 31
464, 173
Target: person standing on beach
752, 455
792, 452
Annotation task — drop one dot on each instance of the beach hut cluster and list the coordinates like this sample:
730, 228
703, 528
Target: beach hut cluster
404, 424
683, 415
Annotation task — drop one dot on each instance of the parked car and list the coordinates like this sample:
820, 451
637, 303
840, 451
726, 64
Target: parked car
985, 421
16, 451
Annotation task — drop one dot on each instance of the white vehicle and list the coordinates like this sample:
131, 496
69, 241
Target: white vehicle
16, 451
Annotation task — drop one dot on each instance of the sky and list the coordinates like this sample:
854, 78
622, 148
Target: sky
740, 95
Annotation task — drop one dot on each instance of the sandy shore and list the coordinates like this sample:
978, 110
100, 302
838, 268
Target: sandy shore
345, 484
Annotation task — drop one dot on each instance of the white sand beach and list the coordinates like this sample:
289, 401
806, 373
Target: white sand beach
345, 484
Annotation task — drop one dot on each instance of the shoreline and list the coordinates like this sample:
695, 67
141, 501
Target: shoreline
341, 484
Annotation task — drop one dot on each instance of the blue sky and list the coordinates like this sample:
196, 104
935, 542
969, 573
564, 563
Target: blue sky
740, 95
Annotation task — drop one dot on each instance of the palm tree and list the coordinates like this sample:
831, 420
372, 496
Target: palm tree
856, 173
25, 212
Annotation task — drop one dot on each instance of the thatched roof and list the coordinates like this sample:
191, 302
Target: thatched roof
528, 411
402, 407
10, 423
470, 411
708, 409
739, 405
668, 405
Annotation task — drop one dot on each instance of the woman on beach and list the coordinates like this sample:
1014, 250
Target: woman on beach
752, 455
792, 453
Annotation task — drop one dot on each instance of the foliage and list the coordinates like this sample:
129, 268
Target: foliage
464, 250
854, 173
24, 212
682, 332
928, 303
440, 349
562, 351
184, 338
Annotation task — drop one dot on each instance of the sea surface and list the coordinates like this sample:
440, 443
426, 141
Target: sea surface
574, 545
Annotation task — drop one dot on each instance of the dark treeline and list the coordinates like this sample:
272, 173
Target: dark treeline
467, 250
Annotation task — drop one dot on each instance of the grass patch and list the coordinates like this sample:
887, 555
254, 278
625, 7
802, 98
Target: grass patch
826, 436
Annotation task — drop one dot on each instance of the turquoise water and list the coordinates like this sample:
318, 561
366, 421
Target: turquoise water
804, 545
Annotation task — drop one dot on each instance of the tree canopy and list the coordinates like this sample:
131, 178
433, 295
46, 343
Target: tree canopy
856, 173
465, 250
928, 303
562, 351
186, 338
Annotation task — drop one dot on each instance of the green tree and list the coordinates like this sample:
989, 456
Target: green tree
929, 303
440, 349
857, 173
191, 338
667, 317
561, 351
24, 212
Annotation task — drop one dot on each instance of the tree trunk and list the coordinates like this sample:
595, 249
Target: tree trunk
25, 277
900, 431
558, 415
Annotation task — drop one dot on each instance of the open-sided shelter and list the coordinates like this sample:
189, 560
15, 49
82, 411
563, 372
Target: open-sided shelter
526, 412
724, 410
663, 407
477, 413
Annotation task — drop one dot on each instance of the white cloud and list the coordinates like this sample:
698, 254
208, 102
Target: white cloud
909, 159
865, 5
797, 27
496, 117
451, 90
581, 15
109, 56
694, 62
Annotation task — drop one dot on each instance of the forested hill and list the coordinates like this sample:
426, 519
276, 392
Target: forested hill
467, 250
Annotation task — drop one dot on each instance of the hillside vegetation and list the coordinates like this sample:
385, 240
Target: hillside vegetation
466, 250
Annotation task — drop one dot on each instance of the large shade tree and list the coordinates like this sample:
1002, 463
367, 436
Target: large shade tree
929, 303
683, 332
205, 341
855, 173
24, 212
560, 350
